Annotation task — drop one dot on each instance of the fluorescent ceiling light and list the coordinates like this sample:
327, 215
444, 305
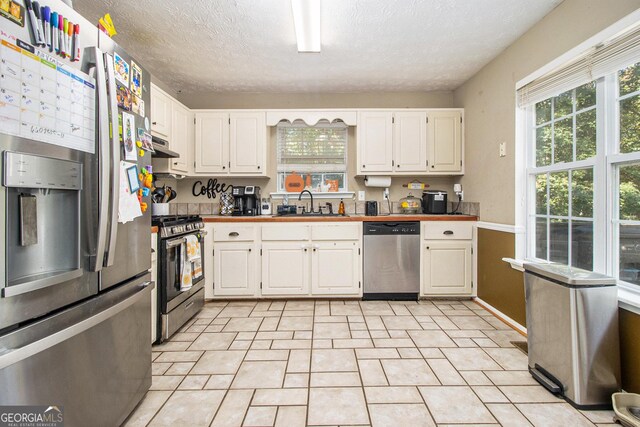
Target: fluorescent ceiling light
306, 17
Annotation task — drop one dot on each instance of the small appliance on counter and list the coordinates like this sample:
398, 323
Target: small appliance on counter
246, 200
410, 205
434, 202
371, 208
265, 207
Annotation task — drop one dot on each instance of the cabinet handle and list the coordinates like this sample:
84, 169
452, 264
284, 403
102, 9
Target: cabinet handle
314, 249
398, 165
258, 167
448, 232
305, 249
175, 163
363, 166
224, 167
249, 249
154, 123
234, 234
432, 165
427, 247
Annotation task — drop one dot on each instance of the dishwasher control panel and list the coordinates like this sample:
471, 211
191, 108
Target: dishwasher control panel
391, 228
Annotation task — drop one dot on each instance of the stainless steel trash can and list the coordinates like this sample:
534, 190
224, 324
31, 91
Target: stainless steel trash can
572, 329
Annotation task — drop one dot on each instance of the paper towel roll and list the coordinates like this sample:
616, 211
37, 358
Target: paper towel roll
377, 181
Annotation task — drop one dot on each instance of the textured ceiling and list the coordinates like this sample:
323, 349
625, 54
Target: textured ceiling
367, 45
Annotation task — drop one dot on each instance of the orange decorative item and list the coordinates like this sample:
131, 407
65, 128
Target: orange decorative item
333, 184
293, 183
308, 183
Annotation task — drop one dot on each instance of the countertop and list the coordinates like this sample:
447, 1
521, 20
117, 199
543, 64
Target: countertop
352, 218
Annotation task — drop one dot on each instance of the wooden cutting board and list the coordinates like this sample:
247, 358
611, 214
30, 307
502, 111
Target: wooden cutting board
294, 183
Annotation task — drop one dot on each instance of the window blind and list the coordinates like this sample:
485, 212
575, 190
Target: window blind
617, 53
306, 149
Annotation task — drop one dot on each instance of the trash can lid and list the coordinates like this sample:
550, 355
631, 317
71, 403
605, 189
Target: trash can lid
569, 275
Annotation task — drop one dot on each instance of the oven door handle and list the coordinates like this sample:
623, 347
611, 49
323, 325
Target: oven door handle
203, 233
175, 242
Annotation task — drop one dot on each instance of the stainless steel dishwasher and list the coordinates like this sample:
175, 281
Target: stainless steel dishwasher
391, 261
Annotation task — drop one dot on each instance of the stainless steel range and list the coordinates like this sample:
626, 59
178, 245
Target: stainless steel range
178, 303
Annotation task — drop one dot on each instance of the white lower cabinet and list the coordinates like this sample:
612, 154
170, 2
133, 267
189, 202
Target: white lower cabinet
285, 268
335, 268
446, 267
235, 269
447, 261
207, 259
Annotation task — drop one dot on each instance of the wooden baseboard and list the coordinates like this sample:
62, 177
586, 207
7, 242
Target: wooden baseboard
502, 317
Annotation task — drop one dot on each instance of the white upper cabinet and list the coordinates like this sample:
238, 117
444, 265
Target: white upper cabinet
248, 142
160, 113
181, 138
231, 143
212, 143
375, 141
444, 139
410, 141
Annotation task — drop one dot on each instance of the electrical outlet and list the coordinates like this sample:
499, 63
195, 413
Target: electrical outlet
503, 149
385, 194
361, 196
461, 195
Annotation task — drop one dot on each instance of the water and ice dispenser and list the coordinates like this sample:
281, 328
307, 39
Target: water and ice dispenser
42, 214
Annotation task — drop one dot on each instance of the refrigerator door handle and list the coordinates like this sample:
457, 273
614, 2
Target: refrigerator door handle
104, 164
115, 159
12, 356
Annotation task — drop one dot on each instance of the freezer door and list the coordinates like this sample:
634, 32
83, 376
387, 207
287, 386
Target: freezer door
93, 360
128, 245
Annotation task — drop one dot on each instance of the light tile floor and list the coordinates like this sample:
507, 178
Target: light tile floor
336, 363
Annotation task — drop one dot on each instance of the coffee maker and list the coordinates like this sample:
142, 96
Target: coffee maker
246, 200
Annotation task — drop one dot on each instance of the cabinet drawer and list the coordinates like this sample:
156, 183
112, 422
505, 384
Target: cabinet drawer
234, 233
335, 232
285, 232
447, 230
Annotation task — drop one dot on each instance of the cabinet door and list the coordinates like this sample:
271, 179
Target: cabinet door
212, 143
335, 268
410, 142
375, 141
444, 139
234, 269
207, 259
248, 143
180, 143
160, 114
446, 267
285, 268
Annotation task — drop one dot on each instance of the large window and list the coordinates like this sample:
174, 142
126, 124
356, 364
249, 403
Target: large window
583, 174
317, 153
565, 149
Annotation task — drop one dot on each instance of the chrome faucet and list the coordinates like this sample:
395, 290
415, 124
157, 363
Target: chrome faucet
310, 195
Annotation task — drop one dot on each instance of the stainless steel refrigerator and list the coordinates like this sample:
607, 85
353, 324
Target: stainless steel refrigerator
74, 283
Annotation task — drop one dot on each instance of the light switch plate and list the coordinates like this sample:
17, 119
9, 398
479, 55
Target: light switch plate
503, 149
361, 196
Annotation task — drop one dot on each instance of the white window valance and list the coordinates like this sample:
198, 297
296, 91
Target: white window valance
311, 117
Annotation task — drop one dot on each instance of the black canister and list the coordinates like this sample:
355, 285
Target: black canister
434, 202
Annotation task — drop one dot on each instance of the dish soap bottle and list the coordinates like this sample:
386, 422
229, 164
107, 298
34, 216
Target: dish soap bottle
341, 208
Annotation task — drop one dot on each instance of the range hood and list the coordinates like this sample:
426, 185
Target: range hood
161, 148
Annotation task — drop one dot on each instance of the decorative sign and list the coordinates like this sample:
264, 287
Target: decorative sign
211, 190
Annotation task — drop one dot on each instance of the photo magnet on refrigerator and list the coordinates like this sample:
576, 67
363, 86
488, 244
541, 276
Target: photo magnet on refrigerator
128, 137
124, 98
122, 69
136, 79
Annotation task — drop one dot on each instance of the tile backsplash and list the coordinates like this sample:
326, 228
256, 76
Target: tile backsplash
351, 207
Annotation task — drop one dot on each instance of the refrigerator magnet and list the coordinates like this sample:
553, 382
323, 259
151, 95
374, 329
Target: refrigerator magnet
122, 69
132, 176
128, 137
124, 98
136, 80
145, 139
138, 105
146, 123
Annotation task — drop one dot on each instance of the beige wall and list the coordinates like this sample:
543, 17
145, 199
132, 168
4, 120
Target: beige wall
443, 99
489, 98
